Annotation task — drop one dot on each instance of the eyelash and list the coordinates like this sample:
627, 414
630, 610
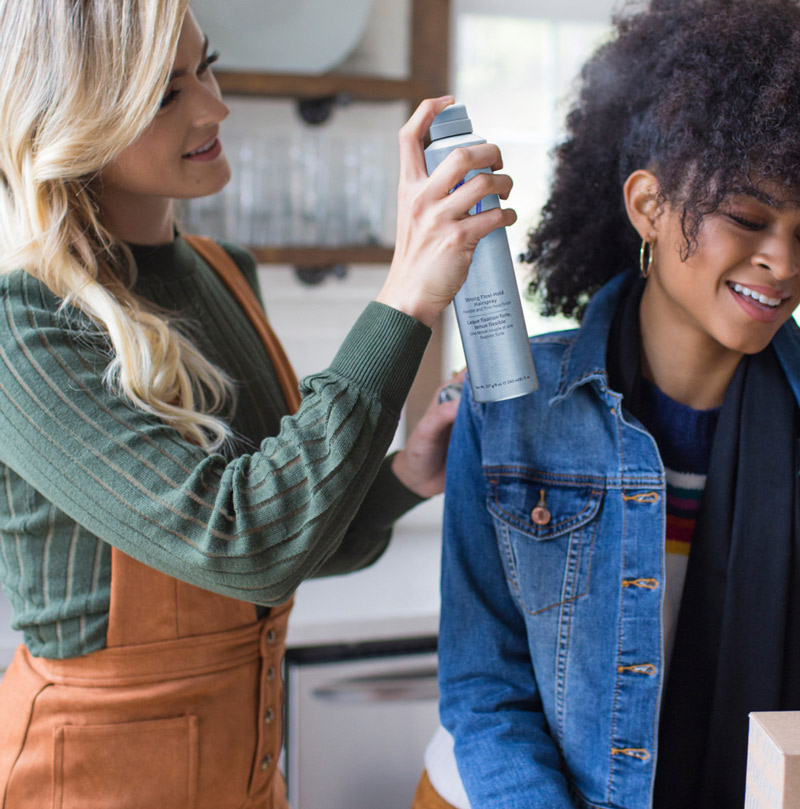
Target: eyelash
208, 61
745, 223
201, 70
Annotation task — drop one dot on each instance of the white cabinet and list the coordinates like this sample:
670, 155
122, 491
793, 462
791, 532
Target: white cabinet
357, 727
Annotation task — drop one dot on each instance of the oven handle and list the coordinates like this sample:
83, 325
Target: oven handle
419, 684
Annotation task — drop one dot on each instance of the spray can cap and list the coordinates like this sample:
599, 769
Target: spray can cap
452, 120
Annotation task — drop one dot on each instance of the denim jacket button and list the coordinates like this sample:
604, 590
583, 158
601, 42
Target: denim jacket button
540, 515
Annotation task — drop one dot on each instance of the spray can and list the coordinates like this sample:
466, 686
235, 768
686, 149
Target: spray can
488, 307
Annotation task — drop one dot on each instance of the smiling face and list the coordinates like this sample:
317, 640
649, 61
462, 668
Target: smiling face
728, 297
178, 156
740, 284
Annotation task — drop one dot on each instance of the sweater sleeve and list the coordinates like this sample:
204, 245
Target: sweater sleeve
369, 533
252, 527
386, 500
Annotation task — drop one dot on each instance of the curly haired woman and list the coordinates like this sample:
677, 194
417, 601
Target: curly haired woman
621, 568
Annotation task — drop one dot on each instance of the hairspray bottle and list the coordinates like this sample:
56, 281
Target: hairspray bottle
488, 308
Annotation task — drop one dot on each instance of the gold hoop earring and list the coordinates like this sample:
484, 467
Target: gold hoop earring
647, 249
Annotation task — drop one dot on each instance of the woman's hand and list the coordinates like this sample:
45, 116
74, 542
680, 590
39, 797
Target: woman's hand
420, 466
436, 236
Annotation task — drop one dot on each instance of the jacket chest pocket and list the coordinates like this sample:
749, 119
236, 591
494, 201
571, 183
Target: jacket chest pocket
546, 534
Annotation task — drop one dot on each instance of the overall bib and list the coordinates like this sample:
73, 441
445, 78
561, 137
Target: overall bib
181, 710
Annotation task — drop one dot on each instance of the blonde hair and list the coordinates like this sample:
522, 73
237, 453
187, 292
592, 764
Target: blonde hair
81, 79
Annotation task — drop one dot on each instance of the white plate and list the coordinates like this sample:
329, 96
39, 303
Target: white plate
282, 36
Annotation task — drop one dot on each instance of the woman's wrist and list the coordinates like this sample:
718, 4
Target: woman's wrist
409, 303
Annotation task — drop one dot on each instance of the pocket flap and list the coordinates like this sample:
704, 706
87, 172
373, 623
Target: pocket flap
542, 507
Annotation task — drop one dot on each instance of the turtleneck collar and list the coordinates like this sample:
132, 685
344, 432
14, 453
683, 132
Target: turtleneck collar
165, 262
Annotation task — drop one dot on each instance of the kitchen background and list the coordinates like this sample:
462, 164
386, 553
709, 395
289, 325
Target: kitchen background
316, 201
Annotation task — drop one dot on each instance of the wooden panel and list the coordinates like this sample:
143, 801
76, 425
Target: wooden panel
322, 256
287, 85
430, 67
430, 47
428, 379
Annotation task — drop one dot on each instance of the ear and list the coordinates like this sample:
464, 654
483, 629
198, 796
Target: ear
641, 202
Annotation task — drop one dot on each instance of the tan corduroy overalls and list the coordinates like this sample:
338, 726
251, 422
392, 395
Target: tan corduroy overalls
426, 796
181, 710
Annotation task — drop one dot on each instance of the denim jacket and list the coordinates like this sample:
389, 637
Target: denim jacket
550, 647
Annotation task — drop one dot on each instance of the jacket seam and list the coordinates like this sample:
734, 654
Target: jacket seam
618, 482
513, 580
565, 631
613, 726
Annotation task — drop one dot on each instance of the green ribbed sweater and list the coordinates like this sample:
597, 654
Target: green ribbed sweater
82, 470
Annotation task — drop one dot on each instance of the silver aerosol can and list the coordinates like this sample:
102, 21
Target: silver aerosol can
488, 308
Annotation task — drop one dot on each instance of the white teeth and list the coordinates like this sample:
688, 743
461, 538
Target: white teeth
756, 295
202, 149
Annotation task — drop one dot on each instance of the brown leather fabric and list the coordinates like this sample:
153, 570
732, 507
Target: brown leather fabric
181, 710
426, 797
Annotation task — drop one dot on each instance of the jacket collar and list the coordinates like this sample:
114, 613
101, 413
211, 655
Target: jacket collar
585, 359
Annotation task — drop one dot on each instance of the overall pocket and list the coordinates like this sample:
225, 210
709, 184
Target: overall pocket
131, 765
546, 530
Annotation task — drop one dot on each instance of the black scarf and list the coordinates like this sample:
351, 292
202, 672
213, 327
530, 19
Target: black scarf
737, 643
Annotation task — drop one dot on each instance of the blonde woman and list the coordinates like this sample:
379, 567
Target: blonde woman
165, 486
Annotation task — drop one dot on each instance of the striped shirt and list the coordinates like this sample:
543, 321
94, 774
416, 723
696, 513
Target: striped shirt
82, 470
684, 492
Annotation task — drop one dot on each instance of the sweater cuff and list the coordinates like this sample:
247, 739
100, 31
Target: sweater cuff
388, 499
382, 353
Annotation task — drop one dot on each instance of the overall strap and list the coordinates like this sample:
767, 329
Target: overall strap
147, 605
227, 269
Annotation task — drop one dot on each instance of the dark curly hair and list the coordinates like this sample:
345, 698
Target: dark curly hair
704, 93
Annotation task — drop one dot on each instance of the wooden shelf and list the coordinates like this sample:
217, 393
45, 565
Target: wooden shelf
328, 85
313, 257
429, 63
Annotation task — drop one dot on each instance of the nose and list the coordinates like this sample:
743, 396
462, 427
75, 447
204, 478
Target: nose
209, 106
780, 256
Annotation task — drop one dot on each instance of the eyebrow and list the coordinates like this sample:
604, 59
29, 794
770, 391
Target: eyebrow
176, 74
762, 197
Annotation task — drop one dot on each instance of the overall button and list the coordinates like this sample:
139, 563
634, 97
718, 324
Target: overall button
270, 636
269, 716
266, 762
270, 672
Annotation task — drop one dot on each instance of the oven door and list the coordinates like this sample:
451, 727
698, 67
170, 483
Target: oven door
358, 720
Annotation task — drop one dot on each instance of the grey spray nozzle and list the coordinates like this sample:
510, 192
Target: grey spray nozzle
451, 121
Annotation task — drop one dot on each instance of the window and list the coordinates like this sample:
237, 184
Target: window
514, 67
